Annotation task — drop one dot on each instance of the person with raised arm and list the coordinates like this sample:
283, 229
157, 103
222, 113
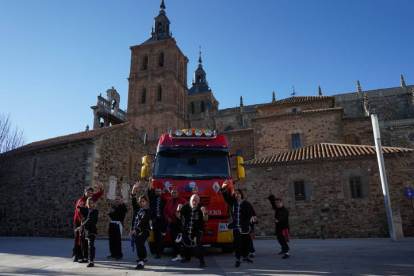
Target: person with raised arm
140, 230
281, 221
77, 219
88, 230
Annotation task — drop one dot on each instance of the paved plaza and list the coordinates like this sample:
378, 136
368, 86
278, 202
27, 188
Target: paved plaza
52, 256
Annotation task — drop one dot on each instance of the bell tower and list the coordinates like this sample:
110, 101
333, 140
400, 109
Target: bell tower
157, 95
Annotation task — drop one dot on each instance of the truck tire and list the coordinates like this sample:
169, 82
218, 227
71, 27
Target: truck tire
227, 248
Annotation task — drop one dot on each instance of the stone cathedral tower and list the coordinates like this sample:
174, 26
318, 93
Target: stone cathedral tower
157, 96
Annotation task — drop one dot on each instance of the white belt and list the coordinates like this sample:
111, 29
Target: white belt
120, 225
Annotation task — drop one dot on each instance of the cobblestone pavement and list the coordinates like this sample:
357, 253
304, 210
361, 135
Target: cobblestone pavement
52, 256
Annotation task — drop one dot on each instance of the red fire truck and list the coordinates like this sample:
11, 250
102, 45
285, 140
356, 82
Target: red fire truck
196, 161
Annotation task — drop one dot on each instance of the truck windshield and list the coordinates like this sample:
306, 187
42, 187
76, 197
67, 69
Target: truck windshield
192, 165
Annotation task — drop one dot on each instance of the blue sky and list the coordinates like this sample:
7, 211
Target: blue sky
57, 56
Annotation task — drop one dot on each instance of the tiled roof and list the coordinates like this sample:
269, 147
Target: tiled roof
71, 138
296, 99
323, 152
237, 131
304, 112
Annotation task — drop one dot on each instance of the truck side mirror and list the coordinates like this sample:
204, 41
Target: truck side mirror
144, 168
240, 169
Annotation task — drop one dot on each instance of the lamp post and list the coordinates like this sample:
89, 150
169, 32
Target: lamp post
383, 175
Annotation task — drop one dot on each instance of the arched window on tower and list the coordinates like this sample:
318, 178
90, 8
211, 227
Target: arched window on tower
159, 26
161, 60
159, 94
144, 65
143, 95
199, 79
192, 108
202, 106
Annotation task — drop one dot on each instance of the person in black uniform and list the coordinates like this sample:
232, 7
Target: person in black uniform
242, 216
89, 230
281, 220
156, 206
193, 216
140, 229
117, 215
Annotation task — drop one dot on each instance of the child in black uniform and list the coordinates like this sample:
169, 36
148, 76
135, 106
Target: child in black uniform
89, 230
141, 229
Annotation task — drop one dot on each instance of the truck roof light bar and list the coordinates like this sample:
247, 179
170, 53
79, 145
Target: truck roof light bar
193, 134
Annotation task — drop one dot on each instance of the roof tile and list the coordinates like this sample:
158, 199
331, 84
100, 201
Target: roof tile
296, 99
71, 138
324, 151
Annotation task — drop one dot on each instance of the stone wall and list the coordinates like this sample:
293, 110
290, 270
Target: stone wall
396, 135
117, 155
299, 106
273, 135
358, 131
44, 186
39, 196
234, 118
328, 204
390, 103
241, 140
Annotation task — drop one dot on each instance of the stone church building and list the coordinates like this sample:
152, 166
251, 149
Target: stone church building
316, 152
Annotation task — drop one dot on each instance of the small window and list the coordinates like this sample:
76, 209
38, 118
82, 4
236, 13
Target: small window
192, 108
202, 106
161, 60
155, 133
295, 140
143, 95
355, 188
143, 134
144, 63
239, 152
159, 94
299, 190
294, 110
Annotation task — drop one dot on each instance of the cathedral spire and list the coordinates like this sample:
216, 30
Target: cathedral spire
161, 29
402, 81
273, 97
199, 84
320, 91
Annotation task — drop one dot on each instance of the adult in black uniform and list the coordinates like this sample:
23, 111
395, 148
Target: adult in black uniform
281, 220
193, 216
140, 230
117, 215
242, 216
